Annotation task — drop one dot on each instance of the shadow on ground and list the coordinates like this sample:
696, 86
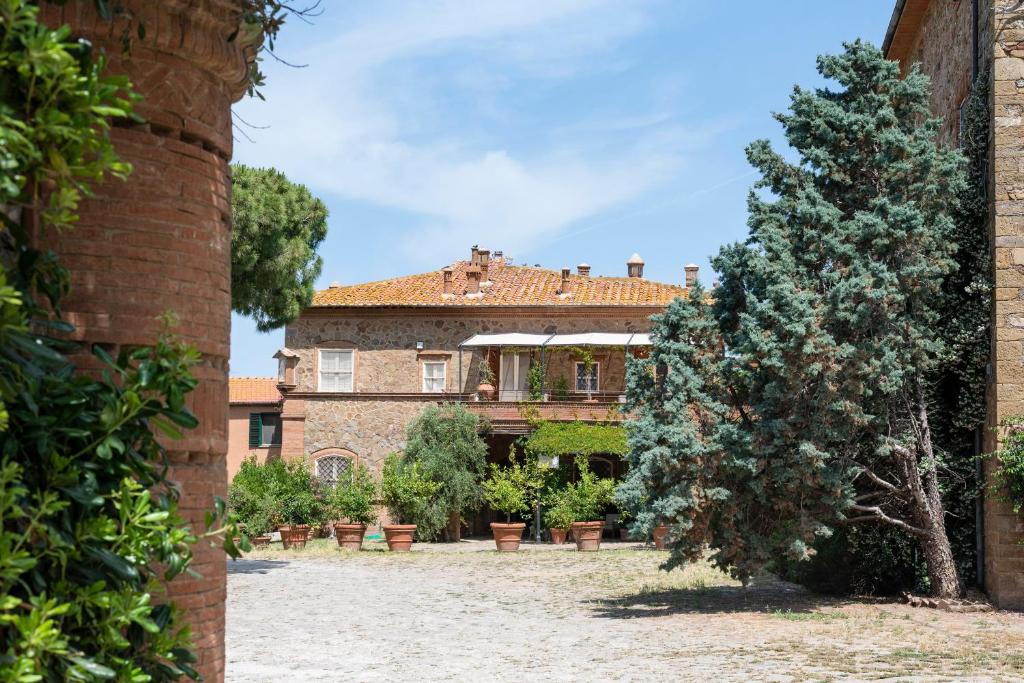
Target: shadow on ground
254, 566
763, 595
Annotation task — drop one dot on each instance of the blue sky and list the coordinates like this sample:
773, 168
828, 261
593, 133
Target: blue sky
559, 131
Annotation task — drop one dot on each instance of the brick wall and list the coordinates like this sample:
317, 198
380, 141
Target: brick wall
161, 241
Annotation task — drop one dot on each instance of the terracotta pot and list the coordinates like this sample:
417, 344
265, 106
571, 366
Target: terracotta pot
507, 536
350, 536
294, 537
659, 537
558, 535
262, 541
587, 535
399, 536
485, 391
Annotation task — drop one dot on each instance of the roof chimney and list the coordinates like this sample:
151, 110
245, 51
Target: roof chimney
335, 285
449, 276
566, 282
691, 274
473, 280
474, 256
635, 266
499, 253
484, 257
583, 269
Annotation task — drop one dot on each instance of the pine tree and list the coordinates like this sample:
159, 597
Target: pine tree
815, 411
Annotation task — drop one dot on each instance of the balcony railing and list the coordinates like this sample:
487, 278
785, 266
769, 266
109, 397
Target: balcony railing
514, 417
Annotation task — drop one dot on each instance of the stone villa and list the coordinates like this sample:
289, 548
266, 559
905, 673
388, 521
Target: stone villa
364, 360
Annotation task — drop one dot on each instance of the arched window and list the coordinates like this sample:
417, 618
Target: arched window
331, 468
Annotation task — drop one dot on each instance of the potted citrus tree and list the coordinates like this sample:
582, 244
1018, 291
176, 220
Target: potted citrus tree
352, 504
485, 389
506, 491
588, 497
406, 493
558, 515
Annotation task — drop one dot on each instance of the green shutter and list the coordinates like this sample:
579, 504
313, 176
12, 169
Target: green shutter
255, 430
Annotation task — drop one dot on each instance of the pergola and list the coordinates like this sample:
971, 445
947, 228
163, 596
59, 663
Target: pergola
545, 341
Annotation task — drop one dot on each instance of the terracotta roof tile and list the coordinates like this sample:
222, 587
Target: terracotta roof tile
253, 390
510, 286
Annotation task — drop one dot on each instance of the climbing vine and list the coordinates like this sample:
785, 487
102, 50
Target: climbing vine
576, 438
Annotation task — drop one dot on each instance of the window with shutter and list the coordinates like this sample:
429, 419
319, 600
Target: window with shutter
433, 377
335, 370
271, 429
255, 429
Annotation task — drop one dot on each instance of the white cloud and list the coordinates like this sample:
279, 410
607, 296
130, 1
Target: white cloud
379, 117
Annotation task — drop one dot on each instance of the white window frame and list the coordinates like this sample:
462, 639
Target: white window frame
597, 378
443, 377
351, 373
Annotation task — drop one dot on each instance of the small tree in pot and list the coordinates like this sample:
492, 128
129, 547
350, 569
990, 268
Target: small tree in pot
558, 515
587, 498
407, 494
507, 490
352, 503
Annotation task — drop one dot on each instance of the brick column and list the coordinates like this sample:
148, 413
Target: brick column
1004, 556
161, 241
293, 428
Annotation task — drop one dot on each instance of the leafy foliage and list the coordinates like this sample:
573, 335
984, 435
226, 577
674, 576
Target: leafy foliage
354, 498
406, 490
576, 438
588, 496
276, 229
515, 488
90, 522
558, 509
446, 442
264, 496
1008, 478
818, 412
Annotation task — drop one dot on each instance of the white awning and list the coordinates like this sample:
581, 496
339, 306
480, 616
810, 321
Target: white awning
507, 339
540, 340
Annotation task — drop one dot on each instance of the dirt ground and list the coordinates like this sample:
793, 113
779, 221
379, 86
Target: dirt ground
465, 613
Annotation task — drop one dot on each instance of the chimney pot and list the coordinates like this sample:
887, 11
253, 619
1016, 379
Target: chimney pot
474, 256
691, 274
499, 253
473, 280
583, 269
635, 266
484, 256
566, 282
449, 277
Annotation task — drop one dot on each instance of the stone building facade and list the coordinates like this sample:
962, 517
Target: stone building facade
402, 345
955, 41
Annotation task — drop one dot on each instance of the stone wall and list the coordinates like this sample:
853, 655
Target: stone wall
162, 241
1004, 530
943, 49
386, 359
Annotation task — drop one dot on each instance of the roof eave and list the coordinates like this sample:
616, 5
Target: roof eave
894, 22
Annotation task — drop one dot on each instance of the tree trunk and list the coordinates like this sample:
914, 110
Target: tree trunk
938, 557
931, 515
454, 530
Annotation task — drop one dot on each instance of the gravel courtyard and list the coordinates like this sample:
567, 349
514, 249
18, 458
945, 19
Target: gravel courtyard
465, 613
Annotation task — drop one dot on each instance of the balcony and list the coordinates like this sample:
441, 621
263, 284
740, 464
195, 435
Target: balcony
514, 417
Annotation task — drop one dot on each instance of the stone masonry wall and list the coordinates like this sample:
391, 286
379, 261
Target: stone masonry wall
162, 241
1004, 530
371, 422
386, 359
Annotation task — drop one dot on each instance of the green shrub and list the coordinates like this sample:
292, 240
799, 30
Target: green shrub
406, 491
354, 498
589, 495
447, 444
278, 492
507, 488
1008, 478
558, 510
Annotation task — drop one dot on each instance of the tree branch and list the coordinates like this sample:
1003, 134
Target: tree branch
875, 514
